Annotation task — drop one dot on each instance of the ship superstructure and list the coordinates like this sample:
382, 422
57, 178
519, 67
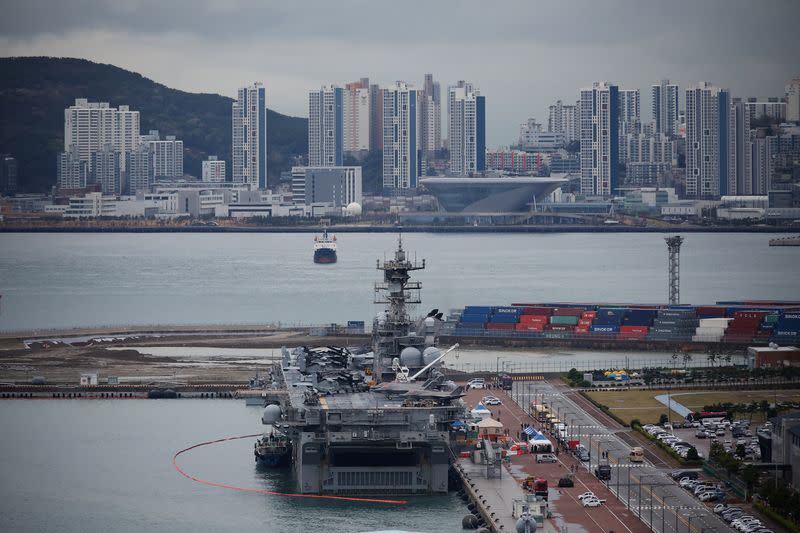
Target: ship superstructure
372, 422
325, 248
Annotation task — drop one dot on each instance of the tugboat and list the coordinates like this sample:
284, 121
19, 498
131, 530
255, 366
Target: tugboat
273, 450
325, 248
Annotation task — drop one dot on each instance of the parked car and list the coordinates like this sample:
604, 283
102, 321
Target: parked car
566, 482
476, 383
593, 502
546, 458
587, 494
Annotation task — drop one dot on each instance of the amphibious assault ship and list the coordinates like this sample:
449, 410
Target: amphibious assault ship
374, 420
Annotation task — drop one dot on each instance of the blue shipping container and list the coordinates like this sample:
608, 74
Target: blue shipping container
604, 329
478, 309
507, 310
504, 319
474, 318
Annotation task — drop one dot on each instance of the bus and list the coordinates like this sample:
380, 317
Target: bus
637, 454
707, 417
505, 381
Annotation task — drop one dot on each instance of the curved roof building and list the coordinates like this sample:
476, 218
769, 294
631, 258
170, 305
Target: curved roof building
491, 195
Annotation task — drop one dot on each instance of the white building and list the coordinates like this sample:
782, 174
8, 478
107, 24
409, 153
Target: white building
92, 205
89, 126
325, 127
599, 108
166, 155
534, 139
430, 117
139, 173
771, 108
563, 119
793, 100
629, 110
337, 186
401, 149
467, 130
213, 170
664, 107
356, 106
249, 131
106, 170
707, 145
73, 172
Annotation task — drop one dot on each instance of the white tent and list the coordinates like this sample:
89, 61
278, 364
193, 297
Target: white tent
480, 411
540, 444
489, 427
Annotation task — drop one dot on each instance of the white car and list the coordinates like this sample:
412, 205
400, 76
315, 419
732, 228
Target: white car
585, 495
491, 400
546, 458
476, 384
592, 502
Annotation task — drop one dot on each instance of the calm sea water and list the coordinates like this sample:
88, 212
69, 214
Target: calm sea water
105, 465
69, 280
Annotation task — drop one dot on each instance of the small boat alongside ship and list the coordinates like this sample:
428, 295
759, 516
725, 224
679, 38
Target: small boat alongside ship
325, 249
273, 450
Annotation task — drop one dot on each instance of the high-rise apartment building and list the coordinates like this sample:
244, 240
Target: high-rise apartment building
772, 108
167, 155
599, 123
139, 170
707, 143
106, 170
739, 151
793, 100
250, 136
73, 171
430, 117
467, 130
356, 113
629, 111
563, 119
91, 126
402, 160
764, 150
213, 170
664, 107
325, 127
8, 174
375, 117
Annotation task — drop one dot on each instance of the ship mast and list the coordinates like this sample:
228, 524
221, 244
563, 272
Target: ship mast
391, 334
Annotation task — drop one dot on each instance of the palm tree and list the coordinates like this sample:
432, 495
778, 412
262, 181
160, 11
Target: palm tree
687, 358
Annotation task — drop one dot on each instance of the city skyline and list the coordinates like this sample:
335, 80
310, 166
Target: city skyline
686, 45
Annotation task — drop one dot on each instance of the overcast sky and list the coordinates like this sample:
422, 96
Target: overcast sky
523, 55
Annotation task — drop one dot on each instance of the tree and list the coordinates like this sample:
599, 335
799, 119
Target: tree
691, 454
663, 419
687, 358
750, 476
740, 450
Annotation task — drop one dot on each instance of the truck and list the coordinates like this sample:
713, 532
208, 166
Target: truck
603, 472
536, 485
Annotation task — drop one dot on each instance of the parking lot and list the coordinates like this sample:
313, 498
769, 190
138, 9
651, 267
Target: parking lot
701, 438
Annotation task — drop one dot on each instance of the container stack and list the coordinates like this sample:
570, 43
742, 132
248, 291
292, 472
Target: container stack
787, 329
473, 319
636, 323
503, 318
534, 319
673, 324
585, 322
711, 329
608, 321
744, 326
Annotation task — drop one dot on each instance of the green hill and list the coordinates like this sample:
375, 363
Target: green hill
34, 91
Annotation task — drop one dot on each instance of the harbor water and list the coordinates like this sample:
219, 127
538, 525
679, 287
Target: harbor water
76, 280
105, 465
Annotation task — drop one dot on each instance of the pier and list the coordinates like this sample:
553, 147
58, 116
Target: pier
785, 241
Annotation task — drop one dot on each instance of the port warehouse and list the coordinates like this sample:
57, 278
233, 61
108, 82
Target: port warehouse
737, 322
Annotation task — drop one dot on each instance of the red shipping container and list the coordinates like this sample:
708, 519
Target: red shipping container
634, 329
585, 322
589, 314
534, 318
499, 325
545, 311
529, 327
710, 310
568, 311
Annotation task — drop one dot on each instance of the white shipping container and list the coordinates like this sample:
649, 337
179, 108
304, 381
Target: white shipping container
718, 322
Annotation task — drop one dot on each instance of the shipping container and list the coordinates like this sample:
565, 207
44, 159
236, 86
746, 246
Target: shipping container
500, 326
545, 311
560, 319
507, 311
589, 314
634, 329
474, 318
478, 309
529, 327
605, 329
568, 311
585, 322
711, 311
504, 319
559, 327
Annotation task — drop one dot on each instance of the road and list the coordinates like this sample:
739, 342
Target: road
645, 488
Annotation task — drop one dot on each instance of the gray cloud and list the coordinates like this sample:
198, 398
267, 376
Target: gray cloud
522, 54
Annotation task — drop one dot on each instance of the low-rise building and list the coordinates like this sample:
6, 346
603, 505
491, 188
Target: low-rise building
773, 355
213, 170
337, 186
